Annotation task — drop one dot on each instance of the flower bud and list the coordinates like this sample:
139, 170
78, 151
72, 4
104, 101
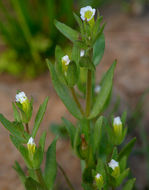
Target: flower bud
115, 167
117, 126
87, 14
97, 89
99, 180
31, 146
65, 63
82, 53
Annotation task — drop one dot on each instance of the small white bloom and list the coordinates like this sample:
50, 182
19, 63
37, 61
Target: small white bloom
21, 97
98, 176
87, 13
82, 52
66, 60
113, 164
117, 121
97, 89
31, 141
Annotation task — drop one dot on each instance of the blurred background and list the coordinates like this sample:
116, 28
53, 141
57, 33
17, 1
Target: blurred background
28, 36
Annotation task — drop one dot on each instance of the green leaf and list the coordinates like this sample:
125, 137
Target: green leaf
42, 140
68, 32
129, 184
104, 93
39, 117
20, 172
31, 184
12, 128
127, 149
51, 165
98, 50
70, 129
97, 134
72, 74
38, 158
23, 150
17, 116
115, 153
64, 93
100, 168
122, 176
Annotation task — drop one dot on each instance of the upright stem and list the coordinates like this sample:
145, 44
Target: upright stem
40, 178
66, 177
76, 100
88, 92
27, 128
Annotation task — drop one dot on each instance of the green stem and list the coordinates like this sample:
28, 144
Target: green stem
88, 92
66, 177
40, 178
76, 100
27, 128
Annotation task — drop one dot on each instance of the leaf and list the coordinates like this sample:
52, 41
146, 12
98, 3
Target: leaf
42, 140
12, 129
104, 93
115, 153
122, 176
64, 93
98, 50
20, 172
38, 158
51, 165
39, 117
70, 129
129, 184
31, 184
97, 134
127, 149
68, 32
72, 74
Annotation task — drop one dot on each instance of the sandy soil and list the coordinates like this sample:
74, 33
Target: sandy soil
127, 39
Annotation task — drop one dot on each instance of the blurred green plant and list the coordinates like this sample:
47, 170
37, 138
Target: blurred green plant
27, 30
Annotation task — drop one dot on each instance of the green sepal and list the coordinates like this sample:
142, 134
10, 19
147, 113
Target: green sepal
104, 93
72, 74
64, 93
39, 117
68, 32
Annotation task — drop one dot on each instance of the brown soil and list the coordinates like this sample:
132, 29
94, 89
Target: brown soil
127, 39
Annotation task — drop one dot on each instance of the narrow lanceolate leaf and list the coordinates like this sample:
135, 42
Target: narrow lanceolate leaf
104, 93
42, 140
20, 172
31, 184
51, 165
39, 117
122, 176
129, 184
64, 93
98, 50
127, 149
12, 128
68, 32
97, 133
16, 113
70, 129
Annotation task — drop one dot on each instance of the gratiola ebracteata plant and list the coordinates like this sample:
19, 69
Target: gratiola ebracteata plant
95, 139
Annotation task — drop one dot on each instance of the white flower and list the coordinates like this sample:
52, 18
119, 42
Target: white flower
113, 164
87, 13
65, 60
98, 176
82, 52
97, 89
31, 145
117, 121
21, 97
